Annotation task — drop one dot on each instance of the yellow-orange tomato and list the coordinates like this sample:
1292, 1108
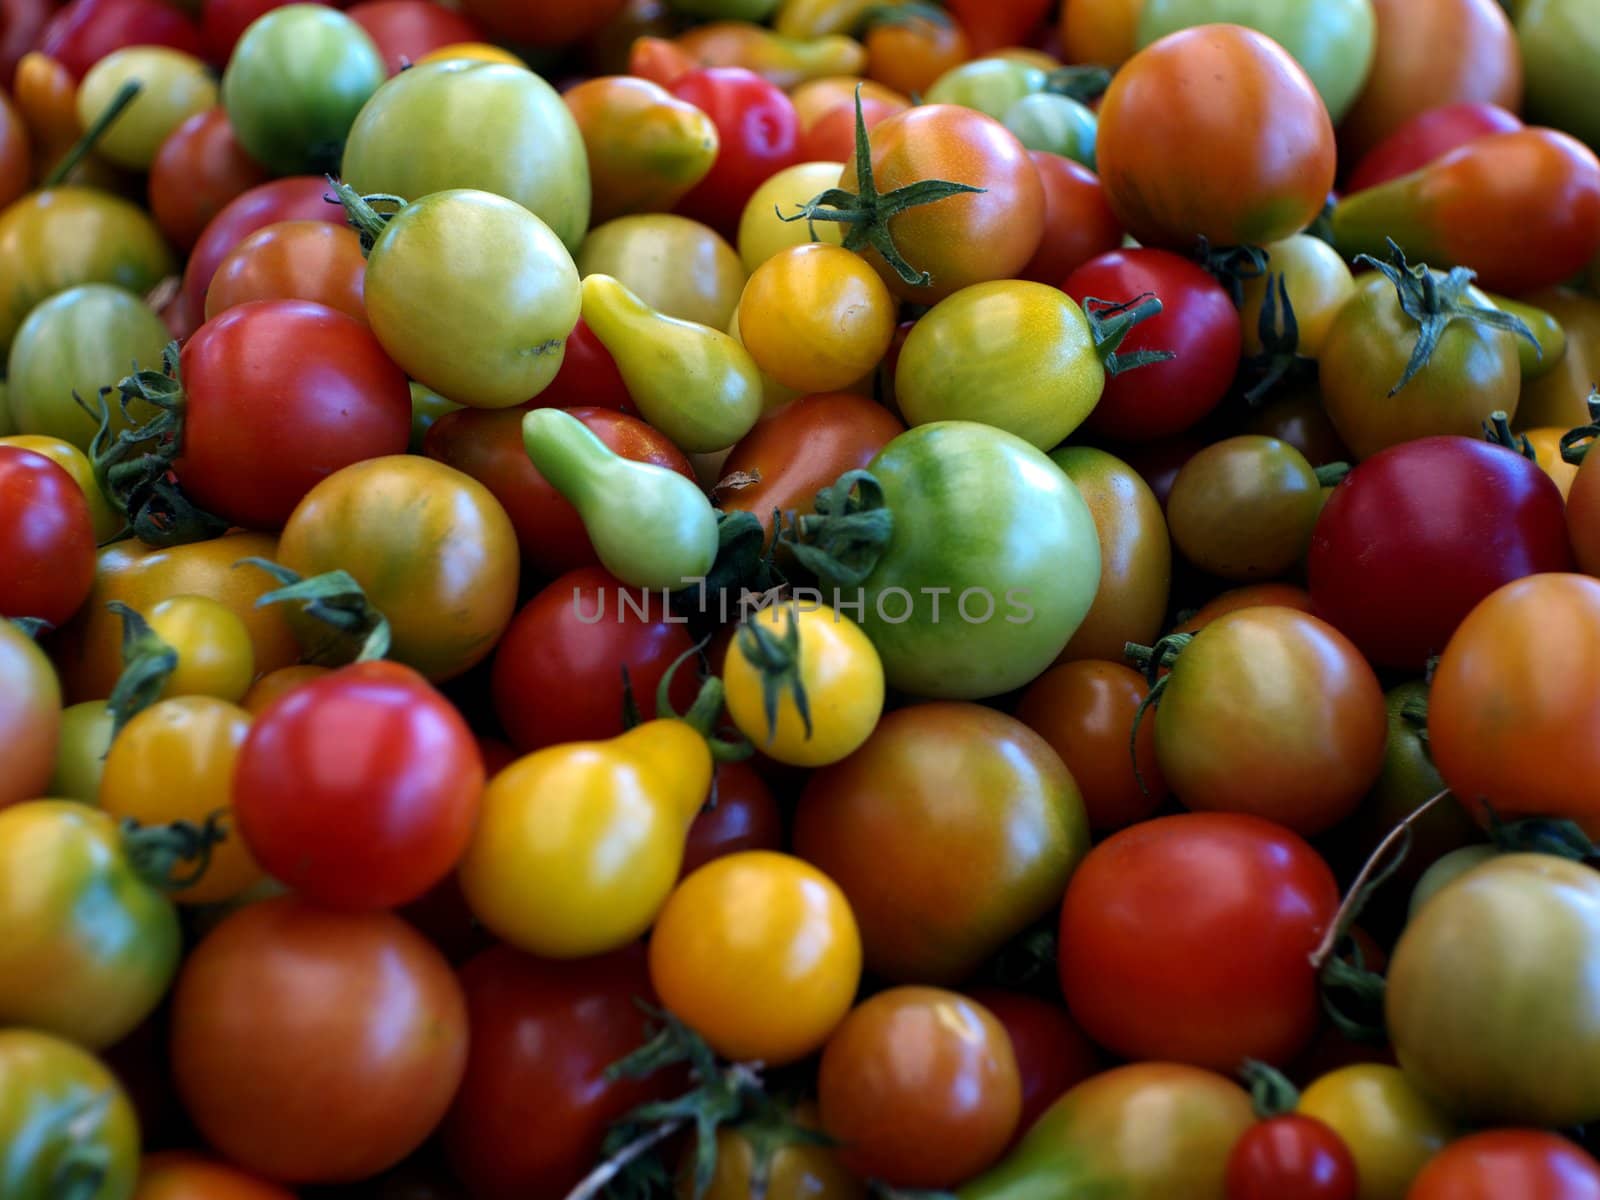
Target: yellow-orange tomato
1546, 443
1104, 32
476, 51
646, 147
293, 260
1318, 283
909, 54
47, 97
816, 317
278, 683
215, 657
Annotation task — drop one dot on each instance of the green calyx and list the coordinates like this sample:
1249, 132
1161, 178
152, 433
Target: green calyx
155, 850
1280, 358
867, 213
1575, 443
1109, 325
1154, 663
1540, 835
777, 660
91, 136
134, 466
702, 716
1231, 266
344, 626
1433, 300
1497, 432
842, 541
1270, 1090
363, 213
899, 14
34, 627
147, 663
1080, 83
1331, 474
83, 1162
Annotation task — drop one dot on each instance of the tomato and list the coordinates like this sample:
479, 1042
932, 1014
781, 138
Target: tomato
744, 817
293, 260
1052, 1053
991, 85
759, 954
544, 23
375, 831
1509, 1162
223, 22
273, 684
198, 169
61, 237
1546, 443
175, 762
1100, 31
1291, 1155
46, 540
66, 1127
1559, 396
173, 87
952, 830
909, 53
83, 32
1244, 508
476, 51
1446, 52
831, 137
762, 232
1426, 137
1418, 534
582, 630
1252, 165
1559, 47
102, 940
294, 83
1188, 938
646, 147
991, 25
431, 547
1078, 222
588, 376
1197, 323
1150, 1129
179, 1175
677, 266
406, 30
408, 141
1318, 284
796, 1170
1298, 418
1086, 710
81, 752
30, 716
1276, 595
298, 198
921, 1087
1390, 1128
535, 1102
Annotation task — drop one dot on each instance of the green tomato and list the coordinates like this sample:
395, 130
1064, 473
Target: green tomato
174, 86
77, 342
992, 564
990, 85
1012, 354
1057, 124
295, 83
97, 943
81, 753
1561, 55
67, 1129
1334, 40
473, 296
465, 124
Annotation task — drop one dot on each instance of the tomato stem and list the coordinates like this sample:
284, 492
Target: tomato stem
362, 212
1154, 662
1279, 331
777, 660
92, 135
1270, 1090
1231, 266
1110, 323
703, 713
32, 626
147, 663
1331, 474
153, 851
1081, 83
348, 626
846, 536
1575, 443
1540, 835
1497, 432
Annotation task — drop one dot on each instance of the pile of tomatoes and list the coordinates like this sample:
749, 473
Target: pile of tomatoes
799, 598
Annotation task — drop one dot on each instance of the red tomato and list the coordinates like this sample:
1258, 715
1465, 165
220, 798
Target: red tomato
557, 673
85, 31
1197, 323
360, 788
1419, 533
543, 23
995, 24
588, 377
1291, 1157
832, 136
746, 818
536, 1103
1529, 1164
294, 260
199, 169
1428, 136
487, 444
1052, 1052
179, 1175
46, 539
759, 134
405, 30
223, 21
316, 1046
1078, 222
1188, 939
281, 394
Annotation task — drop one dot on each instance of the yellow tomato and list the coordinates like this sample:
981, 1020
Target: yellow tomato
81, 755
760, 954
214, 653
173, 87
107, 524
763, 232
476, 51
793, 655
1546, 444
1390, 1127
1318, 283
1104, 32
816, 318
676, 266
174, 762
278, 683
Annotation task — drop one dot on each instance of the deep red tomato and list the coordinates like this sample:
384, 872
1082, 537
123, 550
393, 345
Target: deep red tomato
297, 198
46, 538
405, 30
759, 134
1419, 533
1197, 323
1291, 1157
746, 818
1428, 136
85, 31
1529, 1164
588, 377
535, 1103
995, 24
316, 1046
281, 394
360, 788
1052, 1052
199, 169
544, 23
223, 21
557, 673
1078, 222
487, 444
1188, 939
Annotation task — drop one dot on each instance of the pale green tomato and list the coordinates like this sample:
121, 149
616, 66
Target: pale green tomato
990, 85
173, 87
80, 757
1057, 124
677, 266
763, 232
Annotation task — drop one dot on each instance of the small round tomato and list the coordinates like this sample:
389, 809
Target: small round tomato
909, 52
1291, 1155
758, 134
1188, 939
795, 1170
1317, 282
276, 683
744, 817
30, 716
758, 953
1078, 222
1389, 1127
1298, 417
215, 657
816, 317
198, 169
1527, 1163
173, 87
677, 266
1052, 1053
1244, 508
831, 136
180, 1175
921, 1088
81, 754
762, 232
293, 260
46, 539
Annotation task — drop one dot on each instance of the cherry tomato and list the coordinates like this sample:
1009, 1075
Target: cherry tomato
406, 30
173, 87
1295, 1156
30, 716
831, 137
1388, 1125
1427, 136
1528, 1163
908, 53
1052, 1053
1078, 222
85, 31
588, 377
758, 133
745, 817
46, 539
293, 260
199, 169
992, 24
277, 683
1317, 282
1244, 508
